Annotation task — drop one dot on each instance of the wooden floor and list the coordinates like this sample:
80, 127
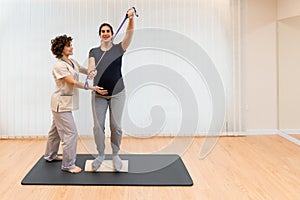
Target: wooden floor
252, 167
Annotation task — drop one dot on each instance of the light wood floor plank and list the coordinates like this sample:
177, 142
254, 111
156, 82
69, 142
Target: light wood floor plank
252, 167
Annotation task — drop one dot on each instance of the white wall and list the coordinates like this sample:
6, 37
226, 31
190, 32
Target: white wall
24, 26
260, 70
288, 8
26, 61
289, 71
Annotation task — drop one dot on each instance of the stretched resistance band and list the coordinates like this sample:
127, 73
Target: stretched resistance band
86, 84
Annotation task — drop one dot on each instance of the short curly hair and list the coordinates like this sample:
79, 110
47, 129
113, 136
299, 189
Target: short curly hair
58, 44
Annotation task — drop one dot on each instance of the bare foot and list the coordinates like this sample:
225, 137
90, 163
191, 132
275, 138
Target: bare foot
58, 158
75, 170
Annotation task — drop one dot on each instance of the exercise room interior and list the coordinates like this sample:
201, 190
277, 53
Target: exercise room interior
214, 82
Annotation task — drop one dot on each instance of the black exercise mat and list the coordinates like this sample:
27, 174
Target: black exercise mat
143, 170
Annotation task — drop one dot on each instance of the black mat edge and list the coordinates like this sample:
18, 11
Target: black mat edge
24, 181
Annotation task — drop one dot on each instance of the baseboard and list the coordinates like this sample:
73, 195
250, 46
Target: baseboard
22, 137
261, 132
290, 138
290, 131
172, 134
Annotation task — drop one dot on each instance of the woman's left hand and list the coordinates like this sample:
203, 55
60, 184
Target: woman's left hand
130, 13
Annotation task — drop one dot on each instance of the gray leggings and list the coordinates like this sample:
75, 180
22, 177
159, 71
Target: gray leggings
99, 105
63, 129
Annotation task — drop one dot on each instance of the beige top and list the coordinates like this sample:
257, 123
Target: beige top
65, 97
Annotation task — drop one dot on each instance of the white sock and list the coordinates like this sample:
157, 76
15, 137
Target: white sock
117, 162
97, 162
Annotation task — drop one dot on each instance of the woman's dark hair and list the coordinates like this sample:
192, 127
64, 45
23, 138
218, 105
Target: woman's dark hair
106, 24
58, 44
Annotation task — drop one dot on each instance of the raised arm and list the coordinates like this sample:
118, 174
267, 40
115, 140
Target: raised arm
130, 29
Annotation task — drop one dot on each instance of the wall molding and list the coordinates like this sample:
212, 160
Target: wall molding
284, 132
